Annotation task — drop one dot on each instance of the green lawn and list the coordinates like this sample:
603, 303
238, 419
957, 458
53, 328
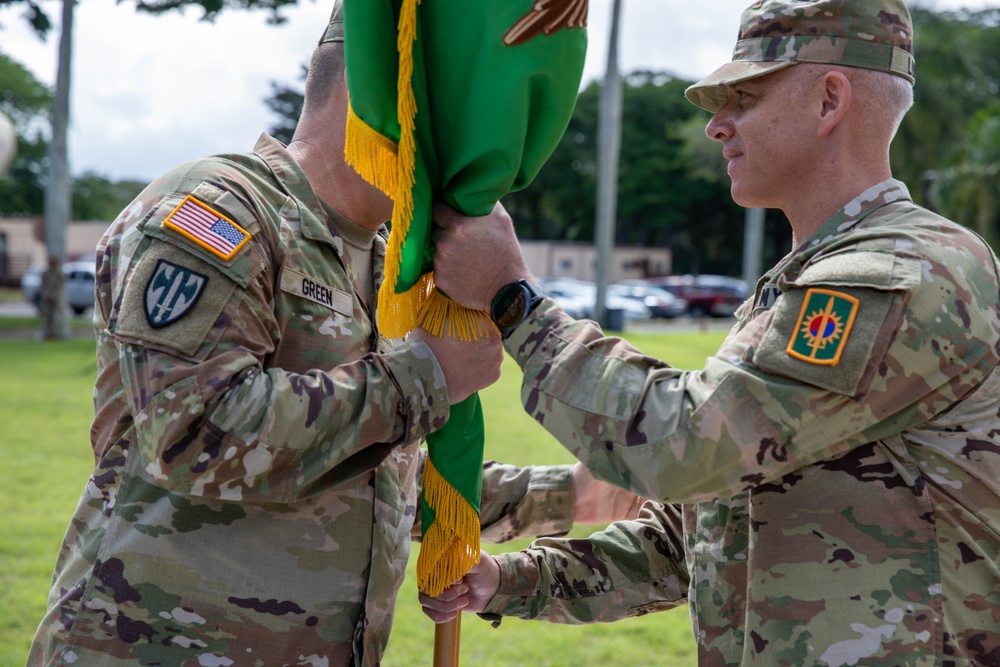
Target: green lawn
46, 410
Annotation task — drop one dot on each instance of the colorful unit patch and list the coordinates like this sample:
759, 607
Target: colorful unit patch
824, 322
207, 227
171, 293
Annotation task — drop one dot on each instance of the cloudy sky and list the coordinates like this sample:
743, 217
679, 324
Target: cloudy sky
151, 92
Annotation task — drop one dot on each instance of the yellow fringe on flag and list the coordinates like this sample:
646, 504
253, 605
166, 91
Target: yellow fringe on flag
446, 556
441, 316
390, 167
398, 312
371, 153
429, 308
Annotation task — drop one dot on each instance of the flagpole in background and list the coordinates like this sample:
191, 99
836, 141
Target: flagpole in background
753, 246
609, 133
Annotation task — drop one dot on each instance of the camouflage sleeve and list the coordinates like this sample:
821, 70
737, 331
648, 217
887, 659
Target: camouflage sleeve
268, 435
525, 502
629, 569
520, 502
757, 411
214, 419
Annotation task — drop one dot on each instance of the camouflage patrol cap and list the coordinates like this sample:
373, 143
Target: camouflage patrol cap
335, 28
775, 34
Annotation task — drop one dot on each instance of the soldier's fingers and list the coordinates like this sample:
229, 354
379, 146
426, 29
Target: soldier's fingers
448, 600
456, 590
445, 216
439, 611
439, 617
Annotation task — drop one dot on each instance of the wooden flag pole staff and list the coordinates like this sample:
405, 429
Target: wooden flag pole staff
446, 642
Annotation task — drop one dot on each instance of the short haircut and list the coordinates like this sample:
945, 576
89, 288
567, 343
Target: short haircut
884, 98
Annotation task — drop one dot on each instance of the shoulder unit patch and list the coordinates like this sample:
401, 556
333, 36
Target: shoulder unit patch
823, 325
171, 293
207, 227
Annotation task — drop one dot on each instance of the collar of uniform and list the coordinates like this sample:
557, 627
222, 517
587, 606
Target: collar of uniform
850, 215
359, 237
771, 284
293, 180
856, 210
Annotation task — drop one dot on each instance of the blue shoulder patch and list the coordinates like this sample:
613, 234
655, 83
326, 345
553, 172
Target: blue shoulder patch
171, 293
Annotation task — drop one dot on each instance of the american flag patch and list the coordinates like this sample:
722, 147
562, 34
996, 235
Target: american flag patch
207, 227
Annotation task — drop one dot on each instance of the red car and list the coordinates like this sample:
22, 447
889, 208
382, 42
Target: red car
703, 300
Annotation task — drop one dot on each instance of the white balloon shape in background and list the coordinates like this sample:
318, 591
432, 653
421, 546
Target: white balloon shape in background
8, 143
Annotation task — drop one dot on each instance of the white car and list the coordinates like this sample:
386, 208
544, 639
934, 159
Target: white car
578, 297
79, 285
570, 295
660, 302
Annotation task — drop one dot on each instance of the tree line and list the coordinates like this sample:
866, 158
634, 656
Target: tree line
673, 188
22, 190
57, 182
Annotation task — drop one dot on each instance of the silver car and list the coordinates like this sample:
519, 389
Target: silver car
578, 298
79, 285
660, 302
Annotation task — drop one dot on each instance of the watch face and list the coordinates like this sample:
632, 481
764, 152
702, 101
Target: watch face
510, 305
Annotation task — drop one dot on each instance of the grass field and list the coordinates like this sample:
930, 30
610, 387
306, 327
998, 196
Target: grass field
46, 410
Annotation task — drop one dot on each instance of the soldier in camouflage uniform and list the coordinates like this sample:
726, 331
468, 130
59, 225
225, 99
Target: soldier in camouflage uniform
831, 477
256, 440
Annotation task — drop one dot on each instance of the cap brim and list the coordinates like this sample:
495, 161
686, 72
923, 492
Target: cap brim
711, 92
335, 27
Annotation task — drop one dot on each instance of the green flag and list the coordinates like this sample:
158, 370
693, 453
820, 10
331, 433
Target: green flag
461, 102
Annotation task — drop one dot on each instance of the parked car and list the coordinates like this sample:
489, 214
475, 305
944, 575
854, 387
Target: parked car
79, 285
725, 283
703, 300
660, 302
578, 297
567, 293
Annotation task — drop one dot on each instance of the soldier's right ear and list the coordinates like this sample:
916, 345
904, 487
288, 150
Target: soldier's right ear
834, 93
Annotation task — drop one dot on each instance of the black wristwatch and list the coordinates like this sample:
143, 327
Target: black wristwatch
513, 303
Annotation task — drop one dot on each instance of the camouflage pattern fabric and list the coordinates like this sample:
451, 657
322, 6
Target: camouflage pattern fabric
774, 34
833, 514
256, 441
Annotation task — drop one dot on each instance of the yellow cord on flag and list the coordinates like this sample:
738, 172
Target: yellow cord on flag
451, 546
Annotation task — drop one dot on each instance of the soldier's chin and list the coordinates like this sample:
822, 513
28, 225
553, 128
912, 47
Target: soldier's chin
745, 198
739, 196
